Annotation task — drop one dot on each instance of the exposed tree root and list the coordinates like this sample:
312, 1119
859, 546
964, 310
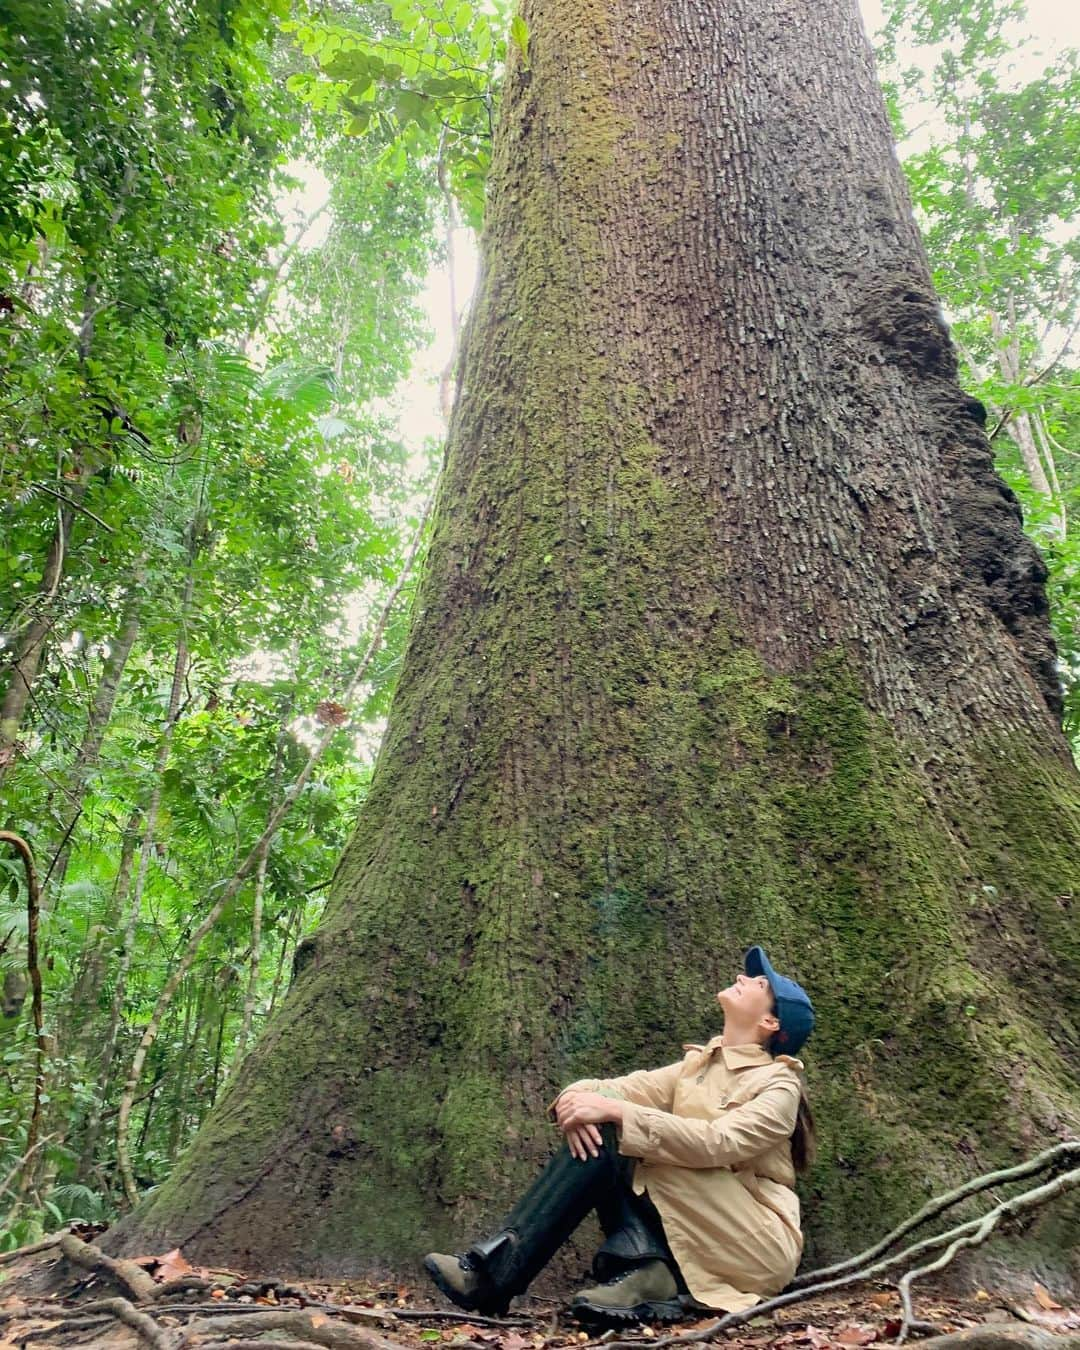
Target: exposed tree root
148, 1330
140, 1285
1060, 1153
312, 1327
970, 1234
1005, 1336
31, 1249
89, 1316
228, 1325
966, 1236
255, 1345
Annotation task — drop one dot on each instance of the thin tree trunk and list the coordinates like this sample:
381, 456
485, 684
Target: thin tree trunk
32, 639
94, 734
134, 905
256, 953
218, 1048
288, 940
41, 1056
257, 900
728, 633
177, 1127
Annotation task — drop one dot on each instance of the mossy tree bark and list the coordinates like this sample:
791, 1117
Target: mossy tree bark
728, 633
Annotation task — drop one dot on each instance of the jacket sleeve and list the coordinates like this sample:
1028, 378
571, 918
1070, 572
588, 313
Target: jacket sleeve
737, 1134
646, 1087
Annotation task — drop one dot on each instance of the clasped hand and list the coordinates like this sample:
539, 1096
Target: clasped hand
579, 1114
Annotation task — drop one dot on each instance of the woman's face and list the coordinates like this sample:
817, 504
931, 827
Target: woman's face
748, 1000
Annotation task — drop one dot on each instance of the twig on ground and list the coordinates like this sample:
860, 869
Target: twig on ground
348, 1311
939, 1204
142, 1286
418, 1315
975, 1238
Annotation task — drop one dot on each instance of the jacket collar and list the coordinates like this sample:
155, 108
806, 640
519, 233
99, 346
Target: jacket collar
746, 1056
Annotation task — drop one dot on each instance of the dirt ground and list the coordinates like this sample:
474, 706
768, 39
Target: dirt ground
48, 1301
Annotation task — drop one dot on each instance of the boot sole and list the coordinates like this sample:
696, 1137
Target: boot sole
596, 1314
460, 1300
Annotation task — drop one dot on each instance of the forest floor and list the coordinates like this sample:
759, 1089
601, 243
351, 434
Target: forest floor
163, 1303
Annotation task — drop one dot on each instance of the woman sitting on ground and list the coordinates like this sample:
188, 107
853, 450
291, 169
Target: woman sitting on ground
689, 1168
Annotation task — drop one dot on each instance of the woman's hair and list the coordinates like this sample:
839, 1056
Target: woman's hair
804, 1136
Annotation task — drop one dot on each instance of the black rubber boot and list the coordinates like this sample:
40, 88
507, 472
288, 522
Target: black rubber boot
497, 1268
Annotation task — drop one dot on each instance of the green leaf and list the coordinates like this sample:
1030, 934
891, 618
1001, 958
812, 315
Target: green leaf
519, 33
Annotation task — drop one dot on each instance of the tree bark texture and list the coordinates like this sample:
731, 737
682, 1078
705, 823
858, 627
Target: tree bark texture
728, 633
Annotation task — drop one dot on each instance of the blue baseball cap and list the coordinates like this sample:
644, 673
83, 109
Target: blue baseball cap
794, 1011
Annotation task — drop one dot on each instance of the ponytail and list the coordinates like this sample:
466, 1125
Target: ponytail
804, 1136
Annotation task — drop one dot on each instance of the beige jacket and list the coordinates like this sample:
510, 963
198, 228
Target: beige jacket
712, 1135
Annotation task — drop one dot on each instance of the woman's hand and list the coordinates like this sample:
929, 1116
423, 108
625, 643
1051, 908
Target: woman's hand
579, 1114
584, 1142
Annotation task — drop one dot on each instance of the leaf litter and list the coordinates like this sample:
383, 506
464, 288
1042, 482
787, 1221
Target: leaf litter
396, 1317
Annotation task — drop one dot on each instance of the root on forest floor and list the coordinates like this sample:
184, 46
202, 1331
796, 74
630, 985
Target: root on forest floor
180, 1308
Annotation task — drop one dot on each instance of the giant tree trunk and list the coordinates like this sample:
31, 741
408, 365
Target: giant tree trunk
728, 633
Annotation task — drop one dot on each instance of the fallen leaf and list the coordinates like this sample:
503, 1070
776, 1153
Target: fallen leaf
319, 1319
431, 1335
981, 1296
855, 1334
1044, 1298
884, 1298
171, 1266
217, 1293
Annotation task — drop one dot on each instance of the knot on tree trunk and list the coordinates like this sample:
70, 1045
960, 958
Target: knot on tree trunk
904, 319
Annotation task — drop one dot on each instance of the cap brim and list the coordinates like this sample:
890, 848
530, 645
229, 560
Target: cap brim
755, 963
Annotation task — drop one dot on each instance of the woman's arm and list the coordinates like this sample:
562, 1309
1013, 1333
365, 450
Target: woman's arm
734, 1136
646, 1087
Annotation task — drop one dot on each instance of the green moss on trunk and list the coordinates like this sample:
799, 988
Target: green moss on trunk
700, 659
